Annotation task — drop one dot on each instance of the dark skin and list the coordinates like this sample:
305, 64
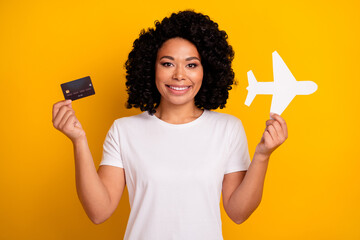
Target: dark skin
242, 191
178, 78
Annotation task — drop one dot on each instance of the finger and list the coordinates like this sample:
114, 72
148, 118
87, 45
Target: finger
70, 123
60, 115
267, 137
65, 118
269, 122
58, 105
282, 122
279, 131
273, 133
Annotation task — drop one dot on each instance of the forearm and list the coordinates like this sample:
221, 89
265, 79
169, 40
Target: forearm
247, 196
90, 189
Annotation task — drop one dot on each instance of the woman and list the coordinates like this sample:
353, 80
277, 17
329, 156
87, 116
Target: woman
177, 156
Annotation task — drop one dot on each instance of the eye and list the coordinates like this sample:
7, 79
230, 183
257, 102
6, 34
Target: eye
192, 65
166, 64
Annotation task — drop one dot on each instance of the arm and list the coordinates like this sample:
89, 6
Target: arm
99, 192
242, 191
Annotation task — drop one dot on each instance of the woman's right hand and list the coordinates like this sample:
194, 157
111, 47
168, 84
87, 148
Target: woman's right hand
64, 120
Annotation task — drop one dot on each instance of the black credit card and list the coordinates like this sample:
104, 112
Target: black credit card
78, 88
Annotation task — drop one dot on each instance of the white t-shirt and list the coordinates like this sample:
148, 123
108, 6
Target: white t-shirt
174, 172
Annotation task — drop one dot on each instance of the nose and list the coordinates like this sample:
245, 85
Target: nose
179, 73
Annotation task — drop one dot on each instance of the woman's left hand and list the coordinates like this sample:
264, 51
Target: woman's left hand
274, 135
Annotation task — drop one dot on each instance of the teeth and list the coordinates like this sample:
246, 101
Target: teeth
178, 88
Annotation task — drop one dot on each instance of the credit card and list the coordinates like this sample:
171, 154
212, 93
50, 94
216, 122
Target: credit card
78, 88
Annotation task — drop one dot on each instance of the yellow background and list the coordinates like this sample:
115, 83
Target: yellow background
312, 184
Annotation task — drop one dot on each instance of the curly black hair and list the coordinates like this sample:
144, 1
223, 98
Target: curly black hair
215, 53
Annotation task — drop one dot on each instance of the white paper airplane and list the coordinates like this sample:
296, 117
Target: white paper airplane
284, 88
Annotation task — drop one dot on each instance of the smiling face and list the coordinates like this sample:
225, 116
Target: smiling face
178, 72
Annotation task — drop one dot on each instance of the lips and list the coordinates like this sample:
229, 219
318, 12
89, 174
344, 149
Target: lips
178, 90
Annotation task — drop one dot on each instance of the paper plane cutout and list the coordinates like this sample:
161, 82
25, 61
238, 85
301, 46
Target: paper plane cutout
284, 88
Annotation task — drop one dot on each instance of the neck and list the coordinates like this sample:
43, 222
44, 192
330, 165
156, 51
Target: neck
176, 114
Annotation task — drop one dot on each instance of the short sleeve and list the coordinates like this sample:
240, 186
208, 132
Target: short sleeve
238, 155
111, 148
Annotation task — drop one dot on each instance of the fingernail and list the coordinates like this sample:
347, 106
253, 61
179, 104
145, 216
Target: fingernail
68, 101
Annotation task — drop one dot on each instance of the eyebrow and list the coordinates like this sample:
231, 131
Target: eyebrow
186, 59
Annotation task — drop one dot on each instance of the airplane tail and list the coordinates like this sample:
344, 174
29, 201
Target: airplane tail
251, 94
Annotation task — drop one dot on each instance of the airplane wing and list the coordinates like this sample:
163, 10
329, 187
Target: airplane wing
249, 98
285, 85
280, 102
282, 74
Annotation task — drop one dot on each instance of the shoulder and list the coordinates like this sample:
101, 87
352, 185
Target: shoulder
135, 120
225, 126
224, 118
229, 125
